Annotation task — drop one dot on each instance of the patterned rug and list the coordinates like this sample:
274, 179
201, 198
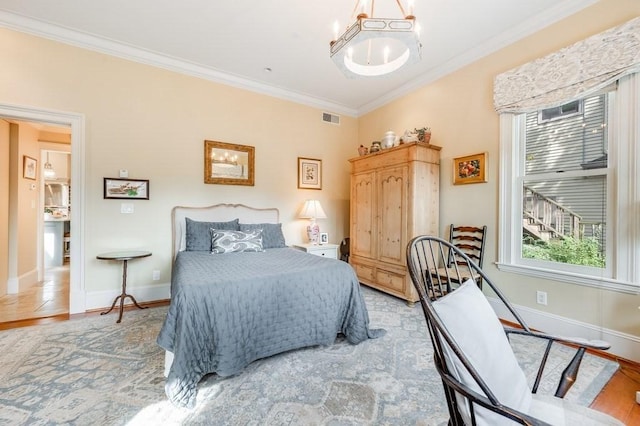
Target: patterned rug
93, 371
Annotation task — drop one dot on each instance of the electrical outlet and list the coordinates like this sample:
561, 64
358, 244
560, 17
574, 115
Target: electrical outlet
156, 275
541, 297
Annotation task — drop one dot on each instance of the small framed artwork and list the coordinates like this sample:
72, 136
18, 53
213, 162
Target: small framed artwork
228, 163
324, 238
470, 169
130, 189
309, 173
29, 167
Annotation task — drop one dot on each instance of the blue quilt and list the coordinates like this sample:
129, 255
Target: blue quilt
228, 310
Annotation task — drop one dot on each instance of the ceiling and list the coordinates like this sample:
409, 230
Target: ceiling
235, 41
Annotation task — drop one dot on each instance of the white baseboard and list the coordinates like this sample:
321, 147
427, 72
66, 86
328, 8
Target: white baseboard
623, 345
104, 299
27, 280
16, 285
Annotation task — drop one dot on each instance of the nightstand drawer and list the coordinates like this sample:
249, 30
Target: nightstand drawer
324, 250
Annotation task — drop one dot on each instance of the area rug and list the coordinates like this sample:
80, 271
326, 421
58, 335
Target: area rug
93, 371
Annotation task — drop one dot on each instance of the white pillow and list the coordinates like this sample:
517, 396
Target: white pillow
225, 241
475, 327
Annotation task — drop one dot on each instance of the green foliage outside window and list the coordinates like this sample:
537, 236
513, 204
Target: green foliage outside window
585, 252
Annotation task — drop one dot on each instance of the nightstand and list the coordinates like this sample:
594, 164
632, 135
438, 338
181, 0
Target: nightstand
326, 250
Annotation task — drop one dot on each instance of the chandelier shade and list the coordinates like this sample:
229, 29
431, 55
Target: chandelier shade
48, 171
373, 47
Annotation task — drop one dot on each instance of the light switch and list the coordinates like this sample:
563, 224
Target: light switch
126, 208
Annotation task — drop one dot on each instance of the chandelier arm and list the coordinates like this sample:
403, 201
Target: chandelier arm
401, 8
354, 13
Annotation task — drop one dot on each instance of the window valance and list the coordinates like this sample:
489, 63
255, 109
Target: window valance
570, 73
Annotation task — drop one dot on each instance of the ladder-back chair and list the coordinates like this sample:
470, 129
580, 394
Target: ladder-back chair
470, 240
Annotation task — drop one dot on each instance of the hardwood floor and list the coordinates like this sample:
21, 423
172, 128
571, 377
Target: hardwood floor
48, 301
48, 298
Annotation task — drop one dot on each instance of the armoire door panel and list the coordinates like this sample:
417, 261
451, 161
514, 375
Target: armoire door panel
363, 215
392, 219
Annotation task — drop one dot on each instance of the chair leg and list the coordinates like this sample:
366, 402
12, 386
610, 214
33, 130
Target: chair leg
569, 374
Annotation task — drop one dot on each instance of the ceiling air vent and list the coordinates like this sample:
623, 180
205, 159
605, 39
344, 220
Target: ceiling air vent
330, 118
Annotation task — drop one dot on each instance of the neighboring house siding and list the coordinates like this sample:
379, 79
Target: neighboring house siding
576, 142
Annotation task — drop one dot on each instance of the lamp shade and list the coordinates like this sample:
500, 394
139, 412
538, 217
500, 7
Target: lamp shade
312, 210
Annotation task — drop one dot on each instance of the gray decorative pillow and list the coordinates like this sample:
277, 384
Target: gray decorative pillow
272, 236
235, 241
198, 234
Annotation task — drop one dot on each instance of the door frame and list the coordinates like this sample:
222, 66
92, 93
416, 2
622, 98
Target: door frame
77, 293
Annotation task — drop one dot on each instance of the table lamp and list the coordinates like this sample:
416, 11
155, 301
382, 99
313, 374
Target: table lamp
312, 210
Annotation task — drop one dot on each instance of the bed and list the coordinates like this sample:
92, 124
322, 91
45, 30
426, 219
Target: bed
230, 309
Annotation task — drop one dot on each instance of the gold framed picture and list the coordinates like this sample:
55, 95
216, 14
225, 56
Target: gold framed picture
309, 173
470, 169
228, 163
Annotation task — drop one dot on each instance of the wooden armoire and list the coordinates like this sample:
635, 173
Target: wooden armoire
394, 197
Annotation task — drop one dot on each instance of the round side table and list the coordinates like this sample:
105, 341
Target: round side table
124, 257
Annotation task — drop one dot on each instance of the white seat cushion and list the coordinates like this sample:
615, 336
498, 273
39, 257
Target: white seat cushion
475, 327
560, 412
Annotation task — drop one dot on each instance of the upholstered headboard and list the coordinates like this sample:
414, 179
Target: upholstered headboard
216, 213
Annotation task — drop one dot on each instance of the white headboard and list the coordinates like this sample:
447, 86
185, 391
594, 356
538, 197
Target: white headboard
216, 213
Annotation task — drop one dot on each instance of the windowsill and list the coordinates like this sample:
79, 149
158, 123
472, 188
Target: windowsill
572, 278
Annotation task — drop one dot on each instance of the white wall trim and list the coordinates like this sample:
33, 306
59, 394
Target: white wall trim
27, 280
143, 294
13, 284
78, 162
623, 345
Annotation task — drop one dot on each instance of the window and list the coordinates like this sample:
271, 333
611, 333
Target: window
567, 212
564, 183
562, 111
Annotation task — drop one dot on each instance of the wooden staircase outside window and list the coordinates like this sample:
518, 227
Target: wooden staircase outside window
545, 219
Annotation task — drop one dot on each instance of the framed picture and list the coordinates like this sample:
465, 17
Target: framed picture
309, 173
129, 189
470, 169
324, 238
29, 167
229, 164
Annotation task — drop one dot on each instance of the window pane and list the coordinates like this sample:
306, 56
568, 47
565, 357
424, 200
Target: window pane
564, 220
576, 142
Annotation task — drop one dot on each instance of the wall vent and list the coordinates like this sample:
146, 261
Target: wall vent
330, 118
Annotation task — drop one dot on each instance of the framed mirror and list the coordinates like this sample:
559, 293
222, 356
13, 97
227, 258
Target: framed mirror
229, 164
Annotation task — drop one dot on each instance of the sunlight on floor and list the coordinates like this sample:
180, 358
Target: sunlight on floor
166, 413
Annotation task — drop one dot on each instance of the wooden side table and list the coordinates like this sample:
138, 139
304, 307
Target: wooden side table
124, 257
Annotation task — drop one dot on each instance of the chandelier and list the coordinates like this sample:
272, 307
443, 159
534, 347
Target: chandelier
371, 47
49, 172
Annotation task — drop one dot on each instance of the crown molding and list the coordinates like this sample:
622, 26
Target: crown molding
110, 47
533, 25
113, 48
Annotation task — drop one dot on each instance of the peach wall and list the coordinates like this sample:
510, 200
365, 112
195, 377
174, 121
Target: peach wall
459, 108
4, 206
28, 202
153, 123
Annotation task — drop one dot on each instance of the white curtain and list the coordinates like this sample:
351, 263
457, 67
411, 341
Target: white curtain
570, 73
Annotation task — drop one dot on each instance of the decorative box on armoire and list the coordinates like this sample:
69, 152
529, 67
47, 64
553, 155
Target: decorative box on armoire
394, 197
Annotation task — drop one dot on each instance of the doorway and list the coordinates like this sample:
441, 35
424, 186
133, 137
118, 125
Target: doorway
73, 274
